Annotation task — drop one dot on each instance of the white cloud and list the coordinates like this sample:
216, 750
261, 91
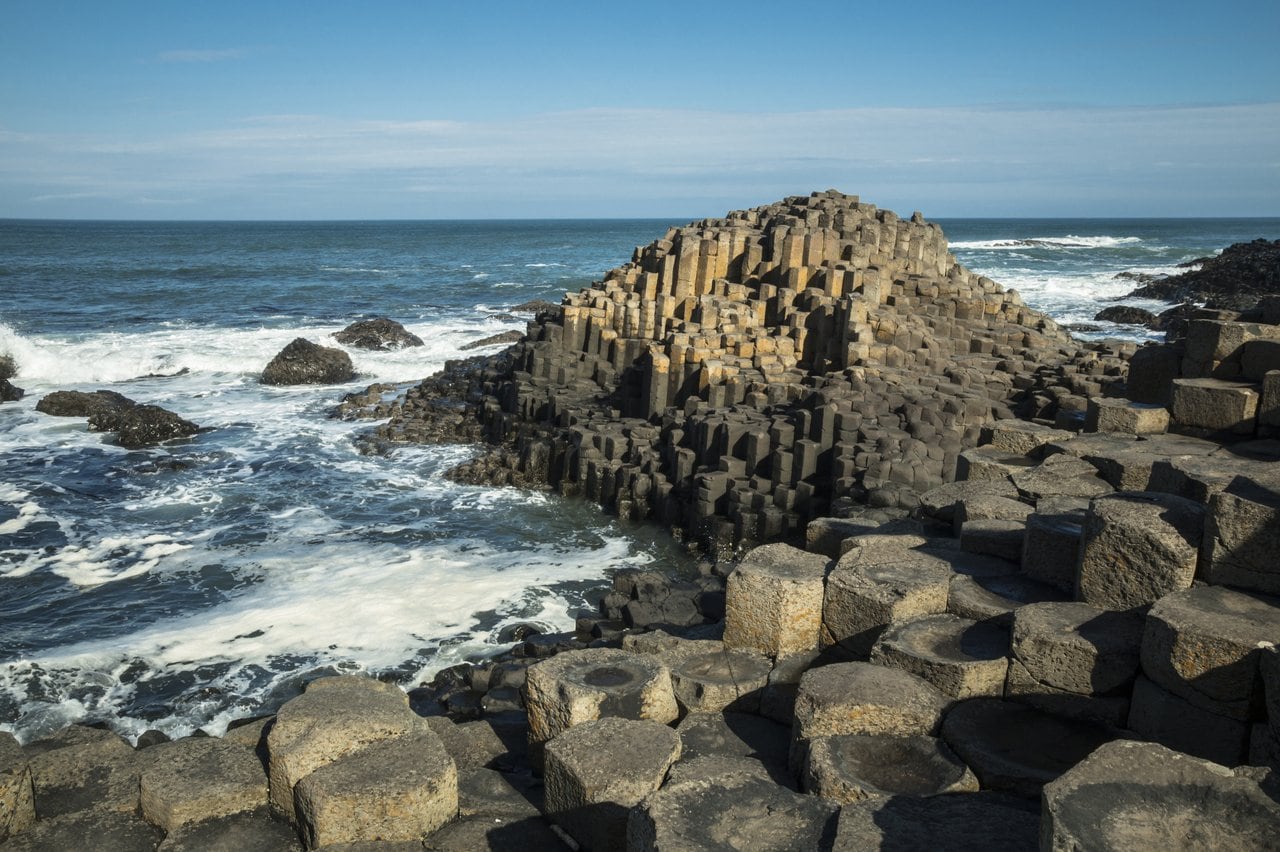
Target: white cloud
946, 161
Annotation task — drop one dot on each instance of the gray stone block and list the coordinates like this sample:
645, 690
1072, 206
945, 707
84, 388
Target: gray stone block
773, 601
1138, 547
1078, 648
870, 588
1022, 687
853, 767
969, 822
1016, 748
1242, 536
735, 810
1215, 405
254, 831
79, 768
201, 778
1132, 795
1159, 715
960, 657
999, 538
393, 789
1204, 644
724, 679
597, 771
581, 686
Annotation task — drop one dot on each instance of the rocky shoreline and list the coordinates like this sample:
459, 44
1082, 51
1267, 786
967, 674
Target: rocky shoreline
969, 585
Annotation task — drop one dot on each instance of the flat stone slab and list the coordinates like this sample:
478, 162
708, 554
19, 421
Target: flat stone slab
996, 598
98, 828
581, 686
960, 657
1203, 645
79, 768
733, 735
1022, 437
723, 679
200, 778
393, 789
1075, 647
862, 698
333, 718
1138, 547
773, 600
254, 831
940, 503
871, 589
1134, 795
1016, 748
1060, 476
498, 794
1242, 537
1051, 544
730, 810
597, 771
962, 822
852, 767
474, 834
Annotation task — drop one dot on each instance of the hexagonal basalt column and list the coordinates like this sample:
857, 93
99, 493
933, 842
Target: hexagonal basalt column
773, 601
580, 686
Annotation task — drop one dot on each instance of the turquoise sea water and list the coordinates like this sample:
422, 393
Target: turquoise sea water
182, 586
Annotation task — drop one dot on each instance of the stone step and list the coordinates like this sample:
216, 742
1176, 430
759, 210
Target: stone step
960, 657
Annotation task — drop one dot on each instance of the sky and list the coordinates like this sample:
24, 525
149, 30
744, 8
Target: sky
427, 110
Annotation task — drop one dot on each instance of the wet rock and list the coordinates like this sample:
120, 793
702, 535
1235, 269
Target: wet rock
500, 339
1159, 715
1125, 315
81, 404
379, 334
142, 425
305, 363
1078, 648
10, 392
1234, 279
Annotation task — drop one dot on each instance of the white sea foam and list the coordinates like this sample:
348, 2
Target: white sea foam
1070, 241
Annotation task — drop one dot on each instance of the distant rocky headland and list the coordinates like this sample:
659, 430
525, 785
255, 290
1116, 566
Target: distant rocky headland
969, 585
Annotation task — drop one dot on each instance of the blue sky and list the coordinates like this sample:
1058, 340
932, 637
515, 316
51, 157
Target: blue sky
447, 109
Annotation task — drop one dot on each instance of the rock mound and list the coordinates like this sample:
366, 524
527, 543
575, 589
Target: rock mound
1233, 280
494, 340
305, 363
741, 376
1125, 315
379, 334
135, 425
10, 392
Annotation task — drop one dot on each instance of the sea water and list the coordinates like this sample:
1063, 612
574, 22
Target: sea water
183, 586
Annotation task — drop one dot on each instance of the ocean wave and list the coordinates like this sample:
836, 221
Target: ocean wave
1069, 241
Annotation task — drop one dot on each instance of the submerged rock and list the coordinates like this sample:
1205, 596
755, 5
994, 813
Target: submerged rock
1125, 315
379, 334
305, 363
143, 425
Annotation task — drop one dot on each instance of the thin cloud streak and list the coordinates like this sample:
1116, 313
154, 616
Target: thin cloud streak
1029, 161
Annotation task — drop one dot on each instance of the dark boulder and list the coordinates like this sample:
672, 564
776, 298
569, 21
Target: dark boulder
494, 340
380, 334
1234, 279
142, 425
305, 363
536, 306
81, 404
1173, 322
8, 368
1125, 314
10, 392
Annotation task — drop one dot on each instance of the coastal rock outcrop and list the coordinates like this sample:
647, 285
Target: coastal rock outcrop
8, 391
493, 340
135, 425
744, 375
1233, 280
305, 363
379, 333
1125, 314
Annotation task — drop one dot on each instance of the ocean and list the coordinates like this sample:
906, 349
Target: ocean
180, 587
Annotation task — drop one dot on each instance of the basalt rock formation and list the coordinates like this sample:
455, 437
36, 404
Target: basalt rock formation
1233, 280
135, 425
379, 333
742, 375
305, 363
